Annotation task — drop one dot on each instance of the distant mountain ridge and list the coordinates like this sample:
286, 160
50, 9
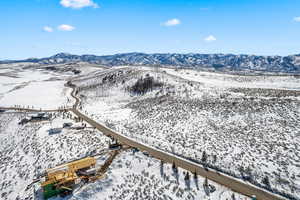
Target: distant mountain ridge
286, 64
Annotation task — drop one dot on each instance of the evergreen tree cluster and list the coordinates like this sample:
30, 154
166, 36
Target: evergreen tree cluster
145, 84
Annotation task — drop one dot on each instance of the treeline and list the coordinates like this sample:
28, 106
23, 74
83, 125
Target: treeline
144, 85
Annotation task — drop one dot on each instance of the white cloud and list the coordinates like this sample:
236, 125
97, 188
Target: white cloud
65, 27
48, 29
77, 4
297, 19
210, 38
172, 22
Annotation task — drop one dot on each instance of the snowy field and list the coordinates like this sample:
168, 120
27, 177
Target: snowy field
229, 81
28, 84
28, 150
248, 126
45, 95
30, 87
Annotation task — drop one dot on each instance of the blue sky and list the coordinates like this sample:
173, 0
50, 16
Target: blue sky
38, 28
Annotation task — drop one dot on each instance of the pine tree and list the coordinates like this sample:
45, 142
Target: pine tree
204, 157
266, 181
173, 165
187, 176
215, 158
205, 182
233, 196
195, 175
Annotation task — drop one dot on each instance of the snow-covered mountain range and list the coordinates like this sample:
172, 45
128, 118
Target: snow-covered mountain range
222, 62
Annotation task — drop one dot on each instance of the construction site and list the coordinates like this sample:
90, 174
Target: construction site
63, 179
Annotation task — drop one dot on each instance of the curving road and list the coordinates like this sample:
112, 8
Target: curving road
230, 182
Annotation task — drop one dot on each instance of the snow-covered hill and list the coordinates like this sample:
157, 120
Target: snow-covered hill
248, 126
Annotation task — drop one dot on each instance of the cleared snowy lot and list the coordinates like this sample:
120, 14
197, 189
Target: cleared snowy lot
248, 126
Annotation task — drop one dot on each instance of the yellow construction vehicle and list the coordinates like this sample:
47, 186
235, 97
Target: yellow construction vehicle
62, 179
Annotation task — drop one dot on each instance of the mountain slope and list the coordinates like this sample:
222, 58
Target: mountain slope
222, 62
